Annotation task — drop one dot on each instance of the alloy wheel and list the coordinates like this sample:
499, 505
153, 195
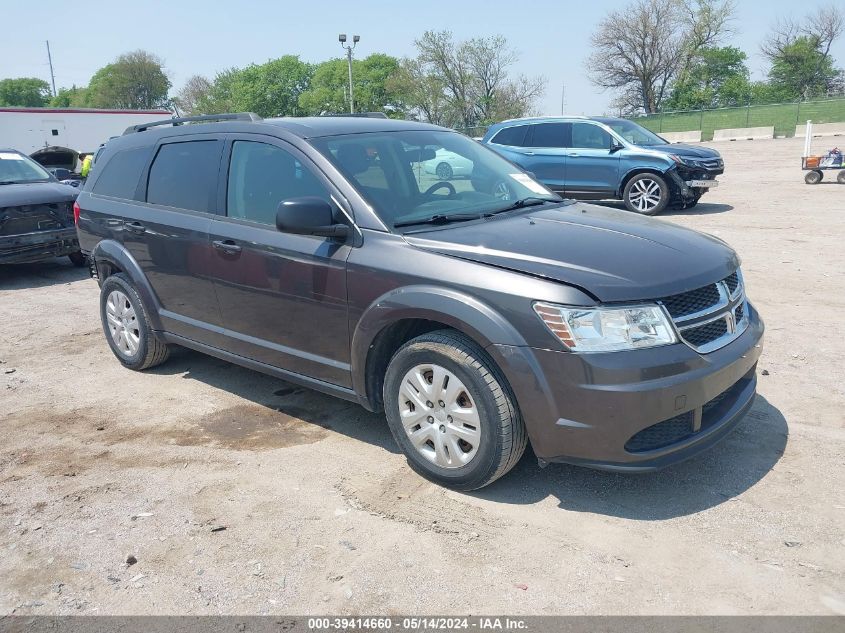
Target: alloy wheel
439, 416
645, 194
123, 323
502, 191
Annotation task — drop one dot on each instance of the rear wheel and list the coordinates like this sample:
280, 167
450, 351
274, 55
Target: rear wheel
647, 194
444, 171
451, 412
126, 326
813, 177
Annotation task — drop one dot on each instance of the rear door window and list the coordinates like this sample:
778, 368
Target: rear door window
513, 136
548, 135
184, 175
120, 175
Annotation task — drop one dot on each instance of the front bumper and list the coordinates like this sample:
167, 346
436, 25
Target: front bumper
681, 178
587, 408
38, 246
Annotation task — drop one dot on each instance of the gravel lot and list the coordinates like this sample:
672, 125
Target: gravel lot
321, 513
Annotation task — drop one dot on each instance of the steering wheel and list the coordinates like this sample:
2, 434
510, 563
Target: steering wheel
439, 185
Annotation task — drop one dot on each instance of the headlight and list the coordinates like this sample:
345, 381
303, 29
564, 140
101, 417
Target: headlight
683, 161
607, 329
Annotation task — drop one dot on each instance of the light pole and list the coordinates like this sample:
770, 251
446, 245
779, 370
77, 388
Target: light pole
355, 39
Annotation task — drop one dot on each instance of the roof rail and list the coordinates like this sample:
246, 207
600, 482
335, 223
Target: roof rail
238, 116
363, 115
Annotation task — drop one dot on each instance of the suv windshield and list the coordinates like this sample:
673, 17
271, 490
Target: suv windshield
16, 168
633, 133
418, 176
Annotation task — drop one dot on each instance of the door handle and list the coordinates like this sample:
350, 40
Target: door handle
135, 227
573, 154
227, 246
528, 153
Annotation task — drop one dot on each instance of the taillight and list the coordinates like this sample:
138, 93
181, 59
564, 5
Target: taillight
76, 212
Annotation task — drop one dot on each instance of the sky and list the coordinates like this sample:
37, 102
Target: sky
193, 37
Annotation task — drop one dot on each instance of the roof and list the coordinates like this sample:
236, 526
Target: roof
312, 127
554, 117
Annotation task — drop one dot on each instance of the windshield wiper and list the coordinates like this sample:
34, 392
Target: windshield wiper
441, 218
8, 182
520, 204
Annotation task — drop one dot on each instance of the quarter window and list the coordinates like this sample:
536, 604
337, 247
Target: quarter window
513, 136
261, 176
120, 175
184, 175
589, 136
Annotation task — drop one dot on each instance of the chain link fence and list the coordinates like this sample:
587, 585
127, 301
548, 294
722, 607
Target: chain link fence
783, 116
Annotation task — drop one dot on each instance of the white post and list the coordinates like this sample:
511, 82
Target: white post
807, 137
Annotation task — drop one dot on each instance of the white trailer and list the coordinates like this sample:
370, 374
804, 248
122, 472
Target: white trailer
79, 129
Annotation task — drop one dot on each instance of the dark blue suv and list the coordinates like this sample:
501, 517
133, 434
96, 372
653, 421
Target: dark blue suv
601, 158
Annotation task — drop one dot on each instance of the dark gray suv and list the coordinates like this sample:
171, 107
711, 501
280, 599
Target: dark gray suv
480, 313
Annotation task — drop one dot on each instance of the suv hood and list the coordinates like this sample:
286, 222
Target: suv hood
35, 193
687, 151
613, 255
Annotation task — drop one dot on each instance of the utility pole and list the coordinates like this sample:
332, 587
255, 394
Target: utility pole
50, 60
563, 98
355, 39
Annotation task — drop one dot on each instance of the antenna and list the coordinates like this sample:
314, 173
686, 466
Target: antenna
50, 60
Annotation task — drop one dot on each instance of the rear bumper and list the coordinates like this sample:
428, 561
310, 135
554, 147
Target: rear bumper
587, 408
37, 246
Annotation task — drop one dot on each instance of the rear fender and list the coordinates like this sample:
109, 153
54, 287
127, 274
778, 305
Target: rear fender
111, 254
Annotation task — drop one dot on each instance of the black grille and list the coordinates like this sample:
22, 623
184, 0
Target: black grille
703, 334
661, 434
733, 282
739, 312
693, 301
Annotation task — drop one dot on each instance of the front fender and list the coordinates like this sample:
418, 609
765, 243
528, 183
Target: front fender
456, 309
113, 254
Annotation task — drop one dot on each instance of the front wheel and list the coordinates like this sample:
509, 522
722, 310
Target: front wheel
840, 177
451, 412
647, 194
77, 259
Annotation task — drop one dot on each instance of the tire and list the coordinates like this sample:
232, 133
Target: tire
444, 171
813, 177
479, 398
121, 307
78, 259
647, 194
840, 177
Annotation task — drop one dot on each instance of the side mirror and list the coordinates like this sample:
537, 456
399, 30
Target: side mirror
615, 146
309, 215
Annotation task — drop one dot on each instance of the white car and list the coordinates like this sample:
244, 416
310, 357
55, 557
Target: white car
446, 165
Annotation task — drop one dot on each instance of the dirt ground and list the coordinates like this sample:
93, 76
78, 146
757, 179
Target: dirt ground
322, 515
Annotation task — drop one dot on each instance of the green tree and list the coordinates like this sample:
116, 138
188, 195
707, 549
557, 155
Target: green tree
372, 89
135, 80
464, 84
28, 92
72, 97
716, 77
269, 89
802, 71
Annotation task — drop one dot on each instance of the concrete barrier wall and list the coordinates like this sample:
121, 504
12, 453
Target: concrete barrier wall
693, 136
744, 133
821, 129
